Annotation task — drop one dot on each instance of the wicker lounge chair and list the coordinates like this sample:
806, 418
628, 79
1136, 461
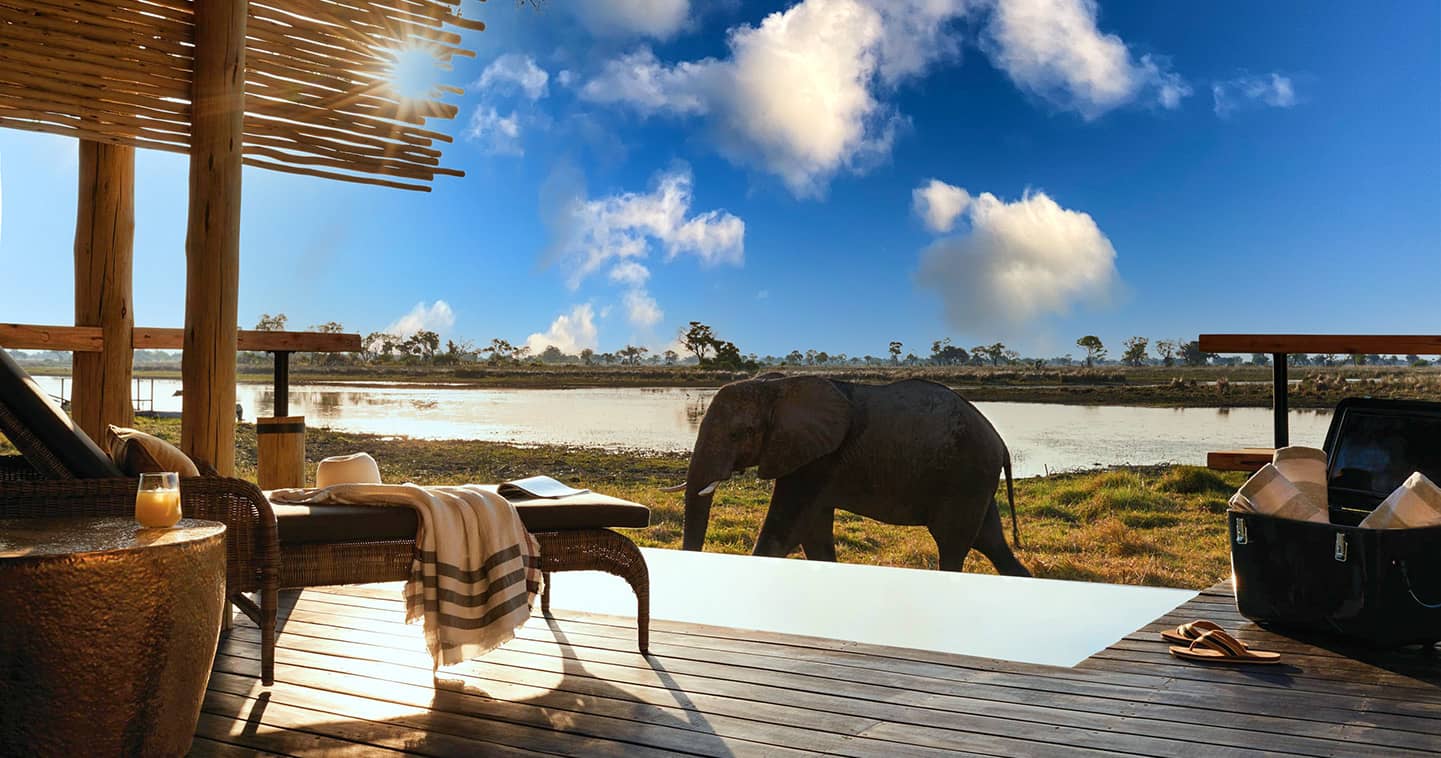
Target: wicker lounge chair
273, 546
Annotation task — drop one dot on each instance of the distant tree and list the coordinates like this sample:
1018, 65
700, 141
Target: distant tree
794, 358
1358, 358
269, 323
728, 356
1167, 350
422, 344
1192, 354
822, 358
1260, 359
1094, 349
911, 359
329, 327
946, 354
552, 354
1325, 359
1416, 361
587, 356
1010, 356
895, 351
1135, 354
1372, 359
995, 352
631, 354
499, 350
607, 358
811, 357
698, 339
670, 357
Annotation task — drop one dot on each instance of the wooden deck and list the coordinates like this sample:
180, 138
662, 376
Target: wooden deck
353, 679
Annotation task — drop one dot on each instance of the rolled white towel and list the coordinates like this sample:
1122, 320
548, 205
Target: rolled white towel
1304, 467
1269, 493
1413, 505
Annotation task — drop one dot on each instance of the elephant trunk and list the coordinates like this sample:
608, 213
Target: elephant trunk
709, 466
697, 516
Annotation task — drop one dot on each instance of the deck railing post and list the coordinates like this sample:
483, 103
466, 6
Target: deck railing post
1279, 388
282, 383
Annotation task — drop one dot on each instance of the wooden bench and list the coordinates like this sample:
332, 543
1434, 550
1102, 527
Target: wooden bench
1249, 459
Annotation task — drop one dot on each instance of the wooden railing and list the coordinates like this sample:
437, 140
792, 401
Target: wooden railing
1280, 346
278, 344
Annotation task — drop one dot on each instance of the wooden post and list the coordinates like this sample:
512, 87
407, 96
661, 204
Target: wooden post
280, 452
212, 239
104, 244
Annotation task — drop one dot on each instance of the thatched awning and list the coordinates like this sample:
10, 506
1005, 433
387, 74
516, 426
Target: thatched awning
318, 98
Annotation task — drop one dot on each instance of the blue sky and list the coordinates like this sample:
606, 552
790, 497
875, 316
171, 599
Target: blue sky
1116, 169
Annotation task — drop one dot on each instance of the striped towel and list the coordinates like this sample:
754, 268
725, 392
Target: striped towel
476, 570
1413, 505
1268, 492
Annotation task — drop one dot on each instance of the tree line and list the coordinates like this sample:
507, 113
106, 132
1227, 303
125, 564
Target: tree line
699, 345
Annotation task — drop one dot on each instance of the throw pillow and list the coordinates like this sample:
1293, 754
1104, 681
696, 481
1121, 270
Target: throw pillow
136, 453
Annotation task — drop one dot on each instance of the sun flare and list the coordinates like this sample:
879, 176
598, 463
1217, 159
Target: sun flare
414, 73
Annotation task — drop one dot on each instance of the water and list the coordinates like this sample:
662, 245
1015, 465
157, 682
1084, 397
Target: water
1041, 436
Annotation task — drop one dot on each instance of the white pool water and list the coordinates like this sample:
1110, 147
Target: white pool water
1042, 621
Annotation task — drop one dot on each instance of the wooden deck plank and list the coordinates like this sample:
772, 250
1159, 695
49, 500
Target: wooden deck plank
353, 678
1242, 707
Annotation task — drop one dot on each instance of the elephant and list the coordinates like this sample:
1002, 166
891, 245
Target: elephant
913, 452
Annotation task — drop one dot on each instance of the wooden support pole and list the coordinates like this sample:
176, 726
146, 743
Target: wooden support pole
212, 239
104, 244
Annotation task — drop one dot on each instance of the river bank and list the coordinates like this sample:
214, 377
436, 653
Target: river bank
1148, 386
1154, 525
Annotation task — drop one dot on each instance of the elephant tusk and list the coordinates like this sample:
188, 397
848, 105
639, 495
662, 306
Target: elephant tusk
709, 488
676, 488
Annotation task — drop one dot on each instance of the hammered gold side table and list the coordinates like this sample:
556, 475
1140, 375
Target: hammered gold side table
107, 634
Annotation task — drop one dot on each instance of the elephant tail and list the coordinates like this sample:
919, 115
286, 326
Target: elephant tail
1011, 497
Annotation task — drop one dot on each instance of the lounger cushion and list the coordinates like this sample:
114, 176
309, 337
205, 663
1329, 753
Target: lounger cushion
136, 453
309, 524
51, 442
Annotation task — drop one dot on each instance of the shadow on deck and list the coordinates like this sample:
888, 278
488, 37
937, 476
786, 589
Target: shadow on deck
352, 678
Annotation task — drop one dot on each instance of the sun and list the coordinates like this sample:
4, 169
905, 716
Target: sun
414, 73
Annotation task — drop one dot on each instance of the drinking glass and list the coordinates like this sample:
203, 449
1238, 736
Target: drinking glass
157, 503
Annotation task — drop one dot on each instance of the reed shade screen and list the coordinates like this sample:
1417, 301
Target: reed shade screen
318, 99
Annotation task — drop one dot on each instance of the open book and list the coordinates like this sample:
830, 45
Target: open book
536, 486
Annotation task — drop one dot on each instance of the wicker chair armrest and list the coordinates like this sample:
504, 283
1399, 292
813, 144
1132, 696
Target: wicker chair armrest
14, 468
252, 542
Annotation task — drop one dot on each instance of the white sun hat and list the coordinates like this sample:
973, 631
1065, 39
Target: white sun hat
357, 468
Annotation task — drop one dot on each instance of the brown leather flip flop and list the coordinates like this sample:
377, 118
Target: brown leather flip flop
1215, 646
1185, 634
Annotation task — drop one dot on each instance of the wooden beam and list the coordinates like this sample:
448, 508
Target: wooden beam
104, 242
42, 337
1340, 344
155, 338
90, 339
1249, 459
212, 239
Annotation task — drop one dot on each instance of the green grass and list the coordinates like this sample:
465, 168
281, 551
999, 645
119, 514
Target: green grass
1158, 526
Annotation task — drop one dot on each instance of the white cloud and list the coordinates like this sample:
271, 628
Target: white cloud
1017, 262
569, 332
629, 273
1053, 49
641, 309
622, 227
436, 317
1273, 90
799, 95
660, 19
514, 72
939, 204
496, 134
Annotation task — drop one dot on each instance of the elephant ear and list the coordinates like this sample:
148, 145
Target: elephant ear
809, 418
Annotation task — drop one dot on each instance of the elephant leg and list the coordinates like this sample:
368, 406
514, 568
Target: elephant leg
991, 541
791, 511
819, 538
954, 527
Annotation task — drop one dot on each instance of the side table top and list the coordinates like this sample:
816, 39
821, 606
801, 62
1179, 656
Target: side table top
53, 537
